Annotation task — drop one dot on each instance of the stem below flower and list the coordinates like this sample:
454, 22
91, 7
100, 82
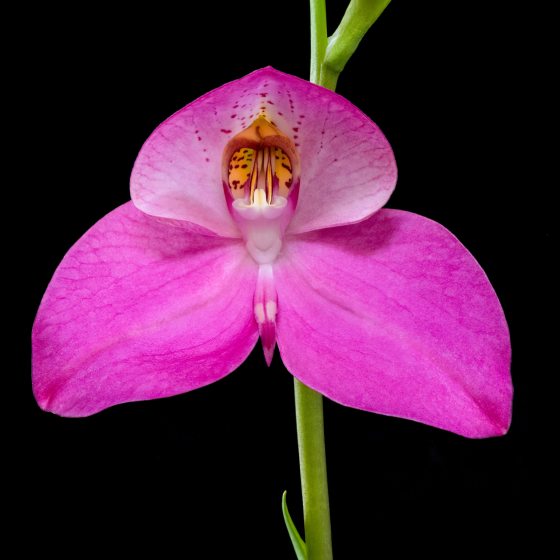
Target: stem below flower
313, 471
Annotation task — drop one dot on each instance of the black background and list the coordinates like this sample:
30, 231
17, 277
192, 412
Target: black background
203, 472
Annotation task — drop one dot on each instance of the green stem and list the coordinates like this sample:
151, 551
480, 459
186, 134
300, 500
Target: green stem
358, 18
313, 471
328, 58
318, 38
309, 404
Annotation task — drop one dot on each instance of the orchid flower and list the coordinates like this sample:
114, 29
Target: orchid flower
257, 212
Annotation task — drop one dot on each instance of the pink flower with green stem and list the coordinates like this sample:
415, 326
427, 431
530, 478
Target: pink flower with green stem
256, 212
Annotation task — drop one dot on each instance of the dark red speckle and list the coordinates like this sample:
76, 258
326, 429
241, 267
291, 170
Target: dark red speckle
295, 128
225, 131
234, 115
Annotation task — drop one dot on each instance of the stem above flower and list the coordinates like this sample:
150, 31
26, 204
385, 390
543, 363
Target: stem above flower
318, 16
359, 17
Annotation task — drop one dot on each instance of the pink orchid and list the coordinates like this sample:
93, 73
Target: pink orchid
256, 210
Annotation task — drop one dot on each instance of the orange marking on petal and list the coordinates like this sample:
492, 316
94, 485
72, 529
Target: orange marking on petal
283, 172
260, 157
239, 171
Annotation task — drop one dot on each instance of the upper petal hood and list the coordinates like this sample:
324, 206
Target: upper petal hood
347, 166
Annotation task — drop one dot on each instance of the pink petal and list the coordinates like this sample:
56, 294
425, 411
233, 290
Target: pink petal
348, 169
394, 316
139, 309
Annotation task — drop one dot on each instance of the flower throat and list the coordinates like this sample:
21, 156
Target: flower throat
260, 172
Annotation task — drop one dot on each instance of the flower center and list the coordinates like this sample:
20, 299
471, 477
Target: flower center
261, 178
